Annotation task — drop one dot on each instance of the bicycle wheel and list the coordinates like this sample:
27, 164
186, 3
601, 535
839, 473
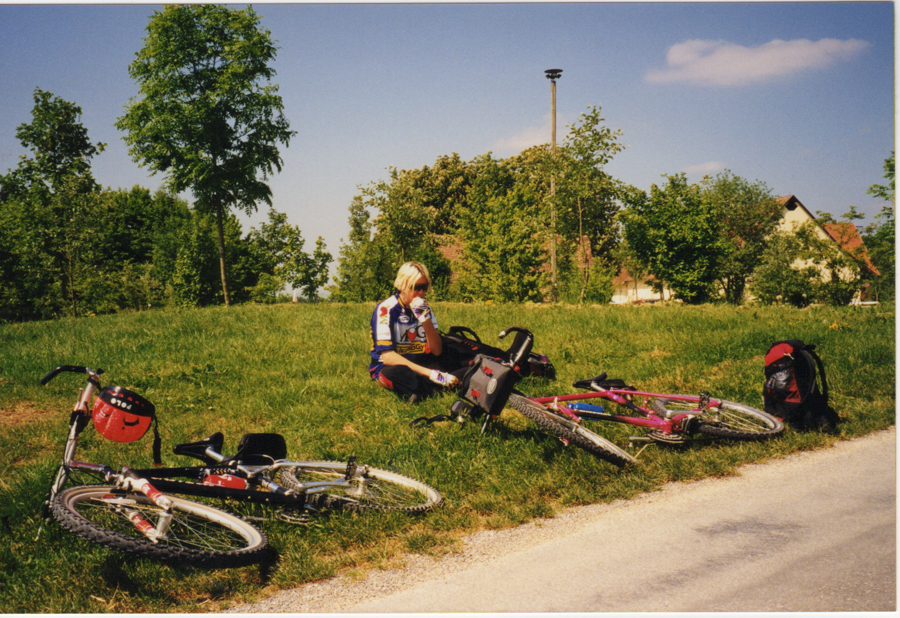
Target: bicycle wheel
370, 489
726, 420
198, 535
570, 431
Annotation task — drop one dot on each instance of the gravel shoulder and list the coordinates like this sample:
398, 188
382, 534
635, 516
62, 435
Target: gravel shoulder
341, 593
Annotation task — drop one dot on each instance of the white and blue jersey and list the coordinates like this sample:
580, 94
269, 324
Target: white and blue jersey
395, 327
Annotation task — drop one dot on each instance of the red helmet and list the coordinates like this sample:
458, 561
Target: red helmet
121, 415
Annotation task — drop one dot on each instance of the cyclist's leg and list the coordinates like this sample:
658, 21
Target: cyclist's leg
405, 382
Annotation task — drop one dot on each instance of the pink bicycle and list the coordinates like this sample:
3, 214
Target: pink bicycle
668, 419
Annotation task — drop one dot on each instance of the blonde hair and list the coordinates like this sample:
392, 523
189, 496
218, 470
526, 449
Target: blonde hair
409, 274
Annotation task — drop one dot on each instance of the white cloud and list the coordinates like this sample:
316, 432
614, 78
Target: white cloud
720, 63
528, 137
709, 167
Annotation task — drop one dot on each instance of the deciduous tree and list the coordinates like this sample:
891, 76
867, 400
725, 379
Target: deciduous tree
588, 196
503, 234
747, 215
674, 233
48, 213
207, 115
880, 237
276, 250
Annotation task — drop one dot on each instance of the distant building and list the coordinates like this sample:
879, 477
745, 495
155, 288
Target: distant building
843, 234
628, 289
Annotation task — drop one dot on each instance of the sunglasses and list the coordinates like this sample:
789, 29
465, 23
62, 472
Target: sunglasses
420, 287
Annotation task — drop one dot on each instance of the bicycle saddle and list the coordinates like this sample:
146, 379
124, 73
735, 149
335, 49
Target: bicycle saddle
198, 449
588, 384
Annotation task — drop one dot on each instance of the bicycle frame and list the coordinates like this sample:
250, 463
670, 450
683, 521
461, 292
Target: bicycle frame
254, 476
571, 406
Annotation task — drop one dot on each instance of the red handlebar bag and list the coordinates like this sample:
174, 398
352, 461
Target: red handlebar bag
121, 415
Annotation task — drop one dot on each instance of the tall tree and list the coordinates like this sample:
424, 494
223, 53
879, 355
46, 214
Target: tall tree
747, 213
397, 221
880, 238
503, 234
366, 265
47, 209
674, 234
207, 115
276, 249
59, 145
587, 193
309, 272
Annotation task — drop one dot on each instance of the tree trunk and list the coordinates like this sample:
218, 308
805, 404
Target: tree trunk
220, 228
585, 272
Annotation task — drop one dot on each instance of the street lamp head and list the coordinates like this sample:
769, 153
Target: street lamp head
553, 74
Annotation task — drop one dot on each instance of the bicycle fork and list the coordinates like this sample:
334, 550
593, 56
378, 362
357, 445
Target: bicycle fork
130, 481
127, 480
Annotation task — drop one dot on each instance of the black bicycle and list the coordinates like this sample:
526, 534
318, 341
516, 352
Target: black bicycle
141, 512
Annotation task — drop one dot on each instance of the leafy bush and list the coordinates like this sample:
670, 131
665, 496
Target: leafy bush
801, 268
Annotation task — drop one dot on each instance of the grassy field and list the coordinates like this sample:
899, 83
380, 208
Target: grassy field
300, 370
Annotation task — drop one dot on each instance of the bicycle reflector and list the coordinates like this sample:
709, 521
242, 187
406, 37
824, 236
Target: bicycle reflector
121, 415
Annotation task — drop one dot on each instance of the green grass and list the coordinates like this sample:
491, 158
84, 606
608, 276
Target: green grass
300, 370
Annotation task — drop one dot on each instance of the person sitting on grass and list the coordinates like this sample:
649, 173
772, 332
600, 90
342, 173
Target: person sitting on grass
408, 356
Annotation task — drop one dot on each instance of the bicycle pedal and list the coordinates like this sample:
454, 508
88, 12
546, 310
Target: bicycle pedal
351, 467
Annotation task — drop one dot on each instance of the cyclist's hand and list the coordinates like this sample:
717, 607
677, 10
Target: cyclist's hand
444, 379
421, 310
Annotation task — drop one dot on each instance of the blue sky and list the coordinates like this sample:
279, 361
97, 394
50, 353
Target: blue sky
799, 96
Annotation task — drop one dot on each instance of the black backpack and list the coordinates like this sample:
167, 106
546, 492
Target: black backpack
791, 391
468, 345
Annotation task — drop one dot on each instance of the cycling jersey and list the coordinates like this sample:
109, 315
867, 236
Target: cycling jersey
395, 327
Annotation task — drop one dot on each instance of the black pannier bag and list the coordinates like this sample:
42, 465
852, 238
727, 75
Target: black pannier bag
488, 384
791, 390
490, 380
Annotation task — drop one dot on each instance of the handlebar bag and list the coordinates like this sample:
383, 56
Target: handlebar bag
487, 384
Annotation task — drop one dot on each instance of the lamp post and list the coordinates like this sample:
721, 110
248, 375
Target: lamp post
553, 75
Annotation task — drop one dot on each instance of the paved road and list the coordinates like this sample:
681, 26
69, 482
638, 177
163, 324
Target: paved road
813, 533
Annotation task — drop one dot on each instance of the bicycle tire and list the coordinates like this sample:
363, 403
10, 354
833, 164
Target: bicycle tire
570, 431
734, 421
199, 535
372, 489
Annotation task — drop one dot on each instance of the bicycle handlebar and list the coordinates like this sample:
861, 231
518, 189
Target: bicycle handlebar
525, 344
464, 331
70, 369
510, 329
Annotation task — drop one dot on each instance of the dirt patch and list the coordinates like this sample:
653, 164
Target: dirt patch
23, 413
